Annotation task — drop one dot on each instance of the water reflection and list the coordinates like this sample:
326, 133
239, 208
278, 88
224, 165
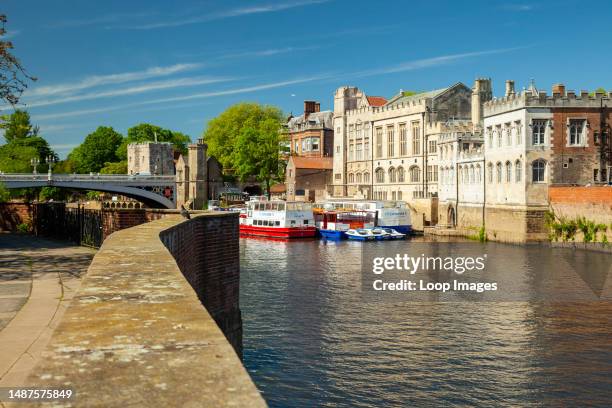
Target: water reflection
311, 339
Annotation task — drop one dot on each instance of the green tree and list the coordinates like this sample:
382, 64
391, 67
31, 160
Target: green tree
600, 89
222, 132
257, 152
15, 158
146, 132
17, 126
98, 148
13, 76
114, 168
4, 193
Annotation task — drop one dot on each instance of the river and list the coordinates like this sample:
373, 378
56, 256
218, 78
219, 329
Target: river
313, 339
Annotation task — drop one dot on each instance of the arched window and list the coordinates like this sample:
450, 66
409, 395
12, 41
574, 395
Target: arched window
400, 174
490, 172
498, 167
392, 178
518, 171
472, 175
538, 171
415, 174
351, 178
358, 177
478, 174
508, 172
451, 175
366, 177
466, 175
380, 175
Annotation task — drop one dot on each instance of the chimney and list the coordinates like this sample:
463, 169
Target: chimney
309, 107
317, 107
510, 88
558, 89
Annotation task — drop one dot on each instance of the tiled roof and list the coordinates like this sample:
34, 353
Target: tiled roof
376, 100
323, 163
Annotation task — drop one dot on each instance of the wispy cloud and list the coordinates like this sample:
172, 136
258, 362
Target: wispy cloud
112, 79
108, 19
148, 87
171, 101
518, 7
268, 52
236, 12
428, 62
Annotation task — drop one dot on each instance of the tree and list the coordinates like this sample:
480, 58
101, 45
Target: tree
98, 148
257, 152
17, 126
114, 168
600, 89
222, 132
4, 194
13, 76
146, 132
15, 158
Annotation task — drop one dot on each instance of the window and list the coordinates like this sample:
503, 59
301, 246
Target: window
366, 149
366, 177
508, 132
390, 142
478, 174
399, 195
518, 171
416, 138
400, 174
432, 146
310, 144
499, 172
472, 175
415, 174
394, 196
392, 176
538, 171
351, 178
508, 172
358, 130
338, 176
490, 135
538, 129
337, 149
380, 175
351, 150
576, 130
296, 147
358, 150
519, 132
430, 173
358, 177
314, 144
498, 130
403, 140
490, 172
379, 135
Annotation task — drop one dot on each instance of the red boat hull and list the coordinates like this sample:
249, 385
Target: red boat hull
272, 232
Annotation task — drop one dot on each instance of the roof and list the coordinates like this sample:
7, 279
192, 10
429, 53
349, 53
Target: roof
402, 97
376, 100
323, 163
278, 188
315, 120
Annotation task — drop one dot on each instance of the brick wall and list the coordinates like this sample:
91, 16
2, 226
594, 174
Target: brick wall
13, 214
594, 203
207, 252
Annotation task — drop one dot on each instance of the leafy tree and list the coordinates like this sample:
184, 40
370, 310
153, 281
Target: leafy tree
256, 152
146, 132
223, 132
15, 158
53, 193
17, 126
98, 148
114, 168
13, 76
4, 193
600, 89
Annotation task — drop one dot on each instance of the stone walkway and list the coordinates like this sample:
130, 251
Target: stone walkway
38, 277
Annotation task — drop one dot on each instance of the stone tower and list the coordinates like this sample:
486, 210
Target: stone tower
481, 93
198, 186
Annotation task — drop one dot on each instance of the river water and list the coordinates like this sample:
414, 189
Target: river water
313, 338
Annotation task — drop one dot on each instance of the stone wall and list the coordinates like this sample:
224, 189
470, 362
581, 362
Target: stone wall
207, 252
136, 333
13, 213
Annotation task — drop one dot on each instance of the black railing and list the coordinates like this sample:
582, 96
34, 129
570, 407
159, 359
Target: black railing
77, 224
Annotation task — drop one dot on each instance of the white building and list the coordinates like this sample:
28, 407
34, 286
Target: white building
151, 158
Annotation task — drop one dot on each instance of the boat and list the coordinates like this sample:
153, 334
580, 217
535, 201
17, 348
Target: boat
388, 214
333, 224
393, 234
366, 234
277, 219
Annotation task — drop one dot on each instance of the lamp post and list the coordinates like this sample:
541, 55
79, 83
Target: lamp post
50, 162
34, 162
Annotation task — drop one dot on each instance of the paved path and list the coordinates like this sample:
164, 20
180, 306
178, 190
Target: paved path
38, 277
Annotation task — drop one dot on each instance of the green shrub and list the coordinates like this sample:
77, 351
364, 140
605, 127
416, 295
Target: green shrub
24, 228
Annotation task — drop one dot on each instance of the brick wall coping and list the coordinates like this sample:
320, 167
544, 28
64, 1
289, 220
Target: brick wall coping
137, 335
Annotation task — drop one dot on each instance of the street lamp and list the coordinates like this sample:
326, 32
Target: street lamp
50, 162
34, 163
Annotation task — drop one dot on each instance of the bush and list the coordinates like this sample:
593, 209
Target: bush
24, 228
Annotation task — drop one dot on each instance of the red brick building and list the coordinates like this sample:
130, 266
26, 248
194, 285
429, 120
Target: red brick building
580, 142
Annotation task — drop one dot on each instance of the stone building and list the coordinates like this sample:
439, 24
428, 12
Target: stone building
192, 177
308, 177
531, 141
151, 158
387, 149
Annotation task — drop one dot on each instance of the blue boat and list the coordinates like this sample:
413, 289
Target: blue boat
366, 234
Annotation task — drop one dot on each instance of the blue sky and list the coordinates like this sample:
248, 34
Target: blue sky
179, 64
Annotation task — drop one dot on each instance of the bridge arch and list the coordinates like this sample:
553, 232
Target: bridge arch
149, 198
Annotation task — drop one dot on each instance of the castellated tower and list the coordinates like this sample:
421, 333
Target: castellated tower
481, 93
197, 174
